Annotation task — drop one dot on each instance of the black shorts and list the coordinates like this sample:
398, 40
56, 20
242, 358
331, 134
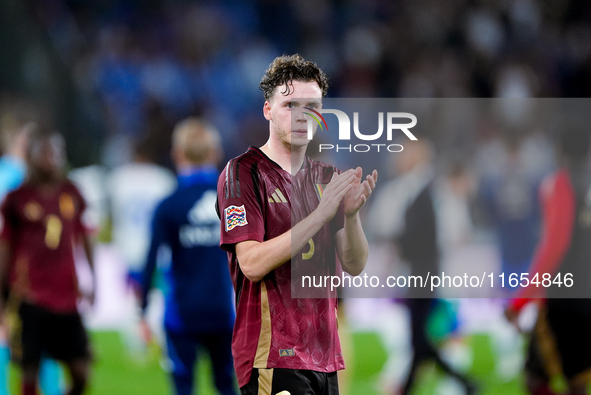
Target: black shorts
296, 382
43, 332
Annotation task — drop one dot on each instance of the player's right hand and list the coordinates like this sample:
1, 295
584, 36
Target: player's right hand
334, 193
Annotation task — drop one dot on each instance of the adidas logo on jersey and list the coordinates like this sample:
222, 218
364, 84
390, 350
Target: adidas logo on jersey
203, 227
289, 352
204, 209
277, 197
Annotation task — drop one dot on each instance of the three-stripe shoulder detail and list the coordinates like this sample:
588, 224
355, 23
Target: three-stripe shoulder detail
233, 175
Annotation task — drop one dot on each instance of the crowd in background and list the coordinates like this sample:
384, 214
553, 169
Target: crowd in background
139, 67
152, 64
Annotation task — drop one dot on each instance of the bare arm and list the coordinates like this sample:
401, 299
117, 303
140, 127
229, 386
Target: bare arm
257, 259
352, 247
89, 252
351, 243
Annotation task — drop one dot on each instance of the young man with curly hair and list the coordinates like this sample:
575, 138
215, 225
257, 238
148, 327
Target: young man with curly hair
280, 208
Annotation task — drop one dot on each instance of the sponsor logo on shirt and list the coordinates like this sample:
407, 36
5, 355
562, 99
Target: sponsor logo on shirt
67, 207
277, 197
289, 352
235, 216
33, 211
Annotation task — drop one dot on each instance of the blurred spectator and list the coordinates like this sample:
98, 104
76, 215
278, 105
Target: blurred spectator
452, 202
512, 168
199, 301
452, 197
203, 58
134, 190
412, 225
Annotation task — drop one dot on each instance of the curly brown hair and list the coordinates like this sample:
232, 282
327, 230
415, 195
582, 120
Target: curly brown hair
287, 68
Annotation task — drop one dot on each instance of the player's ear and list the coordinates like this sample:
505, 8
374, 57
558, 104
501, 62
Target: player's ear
267, 110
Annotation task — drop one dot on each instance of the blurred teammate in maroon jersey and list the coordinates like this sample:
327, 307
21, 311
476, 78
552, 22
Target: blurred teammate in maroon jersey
282, 343
42, 221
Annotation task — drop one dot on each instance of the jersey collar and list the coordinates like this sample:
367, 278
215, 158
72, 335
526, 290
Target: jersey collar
260, 152
305, 163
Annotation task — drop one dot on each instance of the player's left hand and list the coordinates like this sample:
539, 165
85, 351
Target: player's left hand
359, 191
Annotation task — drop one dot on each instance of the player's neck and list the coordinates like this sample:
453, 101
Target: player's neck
289, 158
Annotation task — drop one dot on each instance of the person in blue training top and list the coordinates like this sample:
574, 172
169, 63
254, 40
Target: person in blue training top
16, 124
199, 301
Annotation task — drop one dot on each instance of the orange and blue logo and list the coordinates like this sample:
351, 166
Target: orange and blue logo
316, 117
235, 216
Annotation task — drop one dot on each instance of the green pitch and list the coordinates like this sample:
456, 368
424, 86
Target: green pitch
116, 372
370, 357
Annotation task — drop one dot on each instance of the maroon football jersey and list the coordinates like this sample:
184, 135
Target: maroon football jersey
41, 229
272, 329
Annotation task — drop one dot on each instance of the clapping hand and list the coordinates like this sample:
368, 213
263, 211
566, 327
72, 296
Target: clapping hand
359, 191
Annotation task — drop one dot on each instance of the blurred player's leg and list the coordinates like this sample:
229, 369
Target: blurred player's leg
220, 352
29, 387
419, 311
537, 380
129, 332
66, 339
394, 330
423, 349
28, 350
50, 375
79, 371
508, 346
30, 374
182, 351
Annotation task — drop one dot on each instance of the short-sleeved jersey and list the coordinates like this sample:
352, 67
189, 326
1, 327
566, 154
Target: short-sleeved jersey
41, 229
273, 330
